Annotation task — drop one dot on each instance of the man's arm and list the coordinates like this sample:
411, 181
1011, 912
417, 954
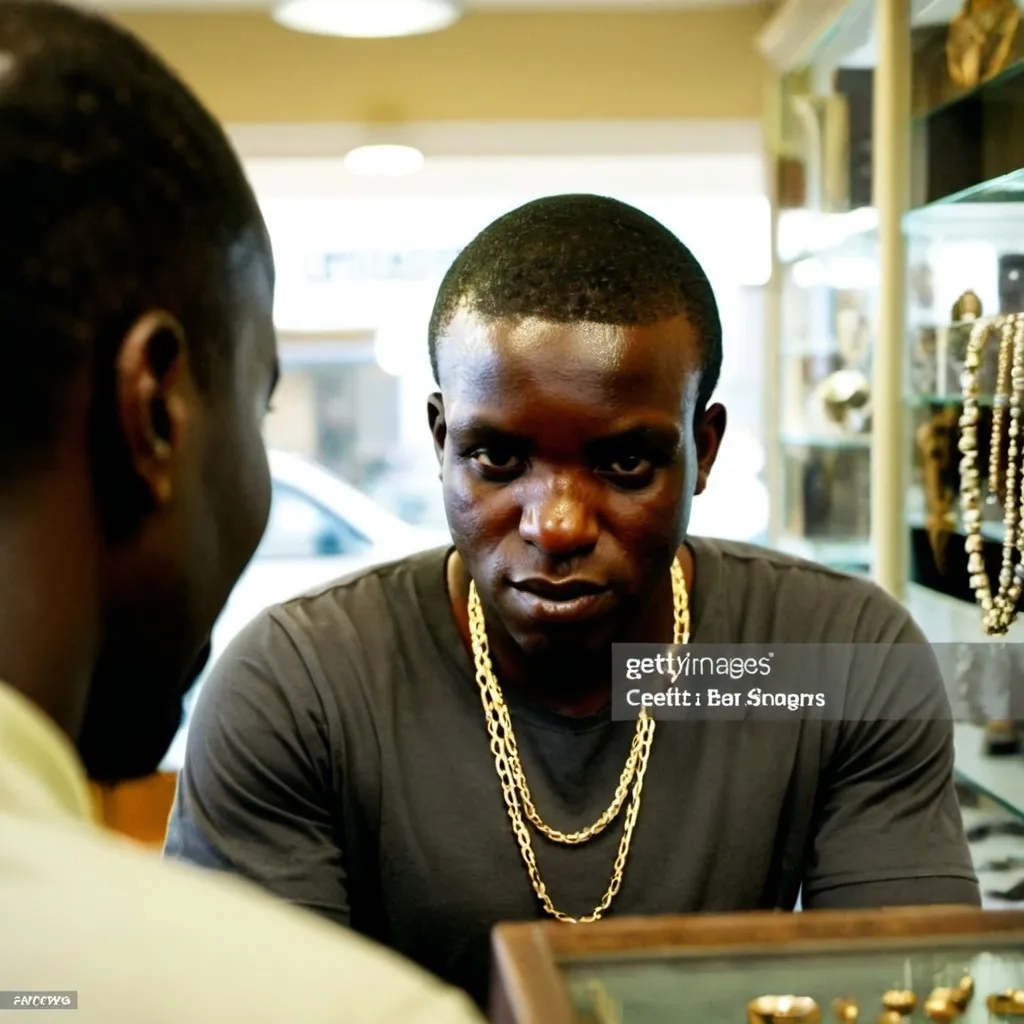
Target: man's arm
255, 796
889, 830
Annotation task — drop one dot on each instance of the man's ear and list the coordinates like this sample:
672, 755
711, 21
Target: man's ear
708, 433
438, 426
152, 389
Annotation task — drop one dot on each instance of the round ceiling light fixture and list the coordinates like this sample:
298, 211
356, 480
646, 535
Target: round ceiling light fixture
368, 19
384, 161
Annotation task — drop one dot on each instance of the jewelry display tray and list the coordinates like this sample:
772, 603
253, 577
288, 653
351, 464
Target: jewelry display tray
708, 968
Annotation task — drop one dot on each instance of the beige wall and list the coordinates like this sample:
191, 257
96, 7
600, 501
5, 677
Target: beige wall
492, 66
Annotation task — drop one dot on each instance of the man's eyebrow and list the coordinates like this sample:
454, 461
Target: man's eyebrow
663, 436
479, 429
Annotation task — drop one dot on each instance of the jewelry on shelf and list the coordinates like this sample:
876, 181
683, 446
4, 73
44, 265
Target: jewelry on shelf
934, 439
979, 41
999, 402
791, 1009
515, 789
968, 307
999, 610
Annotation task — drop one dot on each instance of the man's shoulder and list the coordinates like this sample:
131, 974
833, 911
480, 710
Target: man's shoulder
129, 926
367, 599
825, 603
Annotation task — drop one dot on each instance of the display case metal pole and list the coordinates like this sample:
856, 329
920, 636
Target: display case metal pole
772, 120
892, 195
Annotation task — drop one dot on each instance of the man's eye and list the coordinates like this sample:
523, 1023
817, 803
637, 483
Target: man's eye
630, 465
495, 458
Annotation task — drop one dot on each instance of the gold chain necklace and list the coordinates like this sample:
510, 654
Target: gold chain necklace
999, 610
513, 779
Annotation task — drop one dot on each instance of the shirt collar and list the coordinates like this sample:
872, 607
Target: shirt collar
41, 774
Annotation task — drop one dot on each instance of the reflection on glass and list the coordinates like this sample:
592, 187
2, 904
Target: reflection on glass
717, 990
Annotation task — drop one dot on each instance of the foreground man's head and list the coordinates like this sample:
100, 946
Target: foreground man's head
137, 355
576, 343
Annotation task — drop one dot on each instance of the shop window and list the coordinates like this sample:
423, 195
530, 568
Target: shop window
300, 528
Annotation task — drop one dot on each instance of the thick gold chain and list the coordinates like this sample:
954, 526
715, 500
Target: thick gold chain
518, 798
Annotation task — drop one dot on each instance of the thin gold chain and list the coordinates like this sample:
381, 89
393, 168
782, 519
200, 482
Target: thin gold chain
513, 780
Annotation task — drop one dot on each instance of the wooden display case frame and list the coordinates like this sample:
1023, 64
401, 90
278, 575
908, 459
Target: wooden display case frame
528, 988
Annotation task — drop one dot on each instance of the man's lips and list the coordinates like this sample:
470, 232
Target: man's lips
561, 601
559, 590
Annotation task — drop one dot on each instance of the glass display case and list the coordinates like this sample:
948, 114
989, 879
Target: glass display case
964, 236
948, 964
827, 269
965, 279
902, 225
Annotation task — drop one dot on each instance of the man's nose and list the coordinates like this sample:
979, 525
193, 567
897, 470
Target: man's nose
559, 520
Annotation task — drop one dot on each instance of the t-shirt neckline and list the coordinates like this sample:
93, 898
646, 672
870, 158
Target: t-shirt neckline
434, 607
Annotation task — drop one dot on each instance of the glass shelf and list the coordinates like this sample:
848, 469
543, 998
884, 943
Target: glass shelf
985, 220
803, 234
852, 553
827, 248
989, 530
1008, 188
924, 400
999, 778
826, 441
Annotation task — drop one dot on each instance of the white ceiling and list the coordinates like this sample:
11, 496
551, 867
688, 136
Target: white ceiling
547, 5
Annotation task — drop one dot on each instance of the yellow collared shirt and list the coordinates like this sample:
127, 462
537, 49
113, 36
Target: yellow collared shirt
141, 941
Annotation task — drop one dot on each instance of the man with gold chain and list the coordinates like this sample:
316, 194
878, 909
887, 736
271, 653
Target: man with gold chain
427, 749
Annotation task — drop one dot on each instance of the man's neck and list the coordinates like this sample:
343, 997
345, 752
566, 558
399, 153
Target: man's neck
48, 584
573, 686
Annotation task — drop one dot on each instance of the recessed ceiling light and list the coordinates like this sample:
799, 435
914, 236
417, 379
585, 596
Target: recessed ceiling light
368, 19
384, 161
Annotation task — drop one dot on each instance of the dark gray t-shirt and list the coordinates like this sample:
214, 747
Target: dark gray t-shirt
338, 756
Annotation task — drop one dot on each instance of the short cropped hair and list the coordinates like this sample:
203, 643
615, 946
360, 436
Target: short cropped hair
582, 258
118, 193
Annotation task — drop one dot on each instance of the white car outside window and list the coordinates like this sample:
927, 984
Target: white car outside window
320, 529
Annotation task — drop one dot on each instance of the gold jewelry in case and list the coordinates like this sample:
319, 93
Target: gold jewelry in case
964, 992
846, 1010
901, 1001
1007, 1004
943, 1005
515, 789
791, 1009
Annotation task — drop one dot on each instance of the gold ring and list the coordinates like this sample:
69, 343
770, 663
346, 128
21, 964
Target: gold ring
941, 1005
903, 1001
890, 1017
1007, 1004
768, 1009
963, 992
846, 1010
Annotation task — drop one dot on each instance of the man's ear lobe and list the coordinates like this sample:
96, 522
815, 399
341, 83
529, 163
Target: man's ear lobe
438, 425
153, 381
709, 433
